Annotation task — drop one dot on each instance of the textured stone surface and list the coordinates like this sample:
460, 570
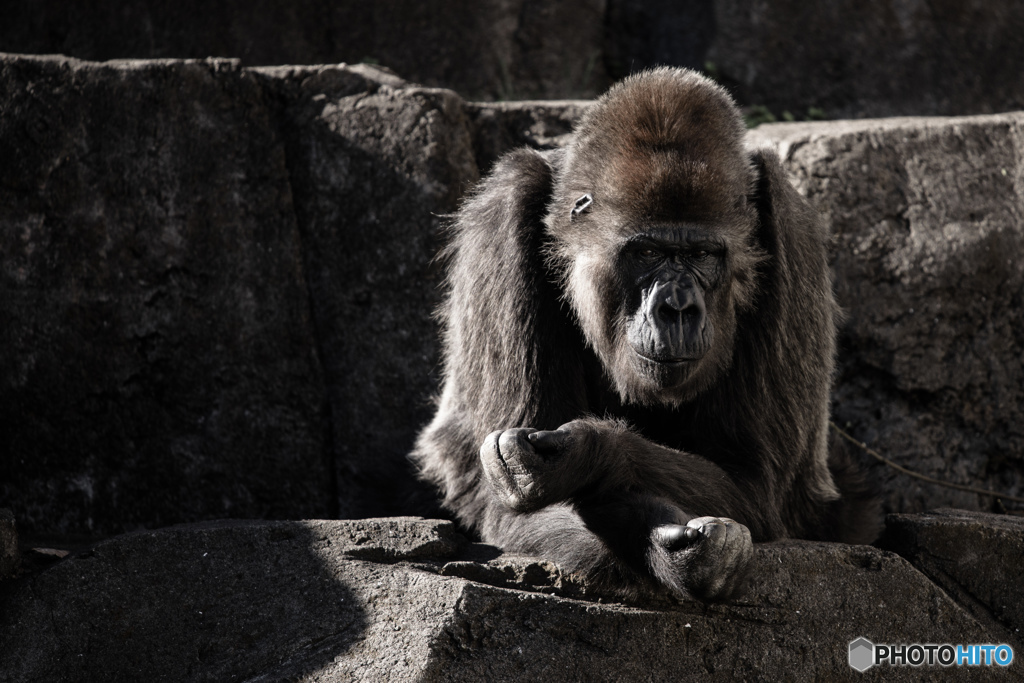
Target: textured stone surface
500, 127
302, 601
157, 363
218, 289
233, 601
374, 169
929, 264
975, 557
849, 57
649, 33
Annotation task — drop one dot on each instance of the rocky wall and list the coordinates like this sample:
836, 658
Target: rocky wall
217, 287
927, 217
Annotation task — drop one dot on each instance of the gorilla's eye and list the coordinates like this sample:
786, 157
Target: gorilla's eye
700, 255
647, 256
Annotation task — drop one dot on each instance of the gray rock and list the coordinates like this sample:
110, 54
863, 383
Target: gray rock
218, 289
158, 357
374, 167
235, 601
302, 601
929, 263
390, 539
852, 58
503, 126
975, 557
649, 33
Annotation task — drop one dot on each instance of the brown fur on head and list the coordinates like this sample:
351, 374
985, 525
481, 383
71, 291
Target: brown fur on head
661, 149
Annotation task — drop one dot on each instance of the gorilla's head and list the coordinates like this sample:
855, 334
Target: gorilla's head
653, 227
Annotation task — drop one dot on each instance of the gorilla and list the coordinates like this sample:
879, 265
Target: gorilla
638, 346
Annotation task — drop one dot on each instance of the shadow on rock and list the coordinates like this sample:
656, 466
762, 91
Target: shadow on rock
219, 601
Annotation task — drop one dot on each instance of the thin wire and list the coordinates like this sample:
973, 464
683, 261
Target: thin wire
878, 456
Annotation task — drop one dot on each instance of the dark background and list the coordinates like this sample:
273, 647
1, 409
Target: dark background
837, 59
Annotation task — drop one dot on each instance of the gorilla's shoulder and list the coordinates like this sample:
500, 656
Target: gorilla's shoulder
525, 166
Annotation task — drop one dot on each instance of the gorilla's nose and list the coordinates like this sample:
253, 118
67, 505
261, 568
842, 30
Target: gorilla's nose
673, 321
675, 300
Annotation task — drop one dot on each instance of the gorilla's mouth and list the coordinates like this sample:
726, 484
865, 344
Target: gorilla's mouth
667, 361
667, 346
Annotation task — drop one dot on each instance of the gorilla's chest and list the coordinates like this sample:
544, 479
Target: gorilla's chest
676, 428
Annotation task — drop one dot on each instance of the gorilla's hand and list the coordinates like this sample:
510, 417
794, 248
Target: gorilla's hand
529, 469
712, 557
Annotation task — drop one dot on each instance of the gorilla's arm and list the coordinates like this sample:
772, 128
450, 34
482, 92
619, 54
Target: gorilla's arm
631, 516
623, 545
592, 459
512, 356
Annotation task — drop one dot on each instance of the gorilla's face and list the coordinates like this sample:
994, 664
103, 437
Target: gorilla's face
670, 276
672, 304
659, 303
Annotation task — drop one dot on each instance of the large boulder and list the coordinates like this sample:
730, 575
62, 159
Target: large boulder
158, 363
928, 256
847, 57
498, 127
375, 167
973, 556
407, 599
217, 289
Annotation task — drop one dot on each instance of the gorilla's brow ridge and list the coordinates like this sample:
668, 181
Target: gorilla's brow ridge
688, 235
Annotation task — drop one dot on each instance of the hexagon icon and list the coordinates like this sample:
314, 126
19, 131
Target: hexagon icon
862, 654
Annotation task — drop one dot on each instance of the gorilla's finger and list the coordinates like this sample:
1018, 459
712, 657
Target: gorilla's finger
713, 528
515, 450
494, 467
737, 535
675, 537
548, 442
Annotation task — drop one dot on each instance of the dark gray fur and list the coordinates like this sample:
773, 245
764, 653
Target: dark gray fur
538, 328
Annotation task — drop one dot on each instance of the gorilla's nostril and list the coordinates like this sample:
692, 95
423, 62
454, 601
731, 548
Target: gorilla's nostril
669, 312
678, 304
674, 301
